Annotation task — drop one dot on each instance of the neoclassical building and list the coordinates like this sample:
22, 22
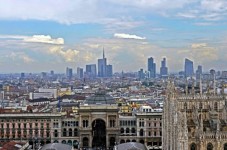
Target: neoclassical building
194, 121
97, 123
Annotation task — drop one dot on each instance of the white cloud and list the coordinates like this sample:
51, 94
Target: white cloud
128, 36
198, 45
68, 55
35, 39
44, 39
20, 56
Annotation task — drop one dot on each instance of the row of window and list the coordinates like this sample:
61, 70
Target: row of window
127, 123
25, 125
70, 123
21, 120
67, 133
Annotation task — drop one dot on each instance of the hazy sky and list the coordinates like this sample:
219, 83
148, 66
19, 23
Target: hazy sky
44, 35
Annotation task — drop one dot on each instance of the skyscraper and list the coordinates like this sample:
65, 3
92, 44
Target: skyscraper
80, 73
91, 70
151, 67
188, 68
69, 72
141, 74
109, 70
163, 68
199, 72
102, 66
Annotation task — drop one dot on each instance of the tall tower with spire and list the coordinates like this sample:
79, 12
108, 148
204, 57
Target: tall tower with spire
102, 63
103, 53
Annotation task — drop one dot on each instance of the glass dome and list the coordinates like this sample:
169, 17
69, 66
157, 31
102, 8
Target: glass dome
100, 98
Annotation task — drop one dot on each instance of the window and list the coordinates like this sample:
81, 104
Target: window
133, 130
141, 132
154, 133
209, 146
75, 132
64, 132
127, 130
70, 132
122, 130
55, 133
112, 123
193, 146
85, 123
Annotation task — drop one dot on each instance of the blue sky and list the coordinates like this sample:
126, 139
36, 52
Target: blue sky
38, 36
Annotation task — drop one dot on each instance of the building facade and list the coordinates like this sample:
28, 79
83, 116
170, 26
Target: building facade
194, 121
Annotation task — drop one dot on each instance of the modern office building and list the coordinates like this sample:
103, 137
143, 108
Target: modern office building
199, 72
102, 66
91, 71
69, 73
141, 74
151, 67
109, 70
188, 68
80, 72
163, 68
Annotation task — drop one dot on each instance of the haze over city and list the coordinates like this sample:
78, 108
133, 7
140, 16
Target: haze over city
49, 35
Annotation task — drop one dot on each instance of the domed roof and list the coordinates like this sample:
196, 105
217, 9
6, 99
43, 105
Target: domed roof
100, 97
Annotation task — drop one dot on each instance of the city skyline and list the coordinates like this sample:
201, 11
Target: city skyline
73, 33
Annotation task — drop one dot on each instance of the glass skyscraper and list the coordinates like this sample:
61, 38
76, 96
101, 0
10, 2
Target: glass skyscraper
151, 67
188, 68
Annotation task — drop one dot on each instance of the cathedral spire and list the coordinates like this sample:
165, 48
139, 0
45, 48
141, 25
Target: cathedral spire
200, 86
186, 87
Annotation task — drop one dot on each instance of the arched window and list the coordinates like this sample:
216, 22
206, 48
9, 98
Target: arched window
64, 132
141, 132
133, 140
85, 142
133, 130
209, 146
70, 132
127, 140
64, 142
193, 146
55, 133
75, 132
142, 141
122, 141
70, 142
56, 141
75, 144
122, 130
225, 146
127, 130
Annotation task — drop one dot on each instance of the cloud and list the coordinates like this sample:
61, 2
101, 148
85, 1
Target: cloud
44, 39
68, 55
198, 45
35, 39
20, 56
128, 36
